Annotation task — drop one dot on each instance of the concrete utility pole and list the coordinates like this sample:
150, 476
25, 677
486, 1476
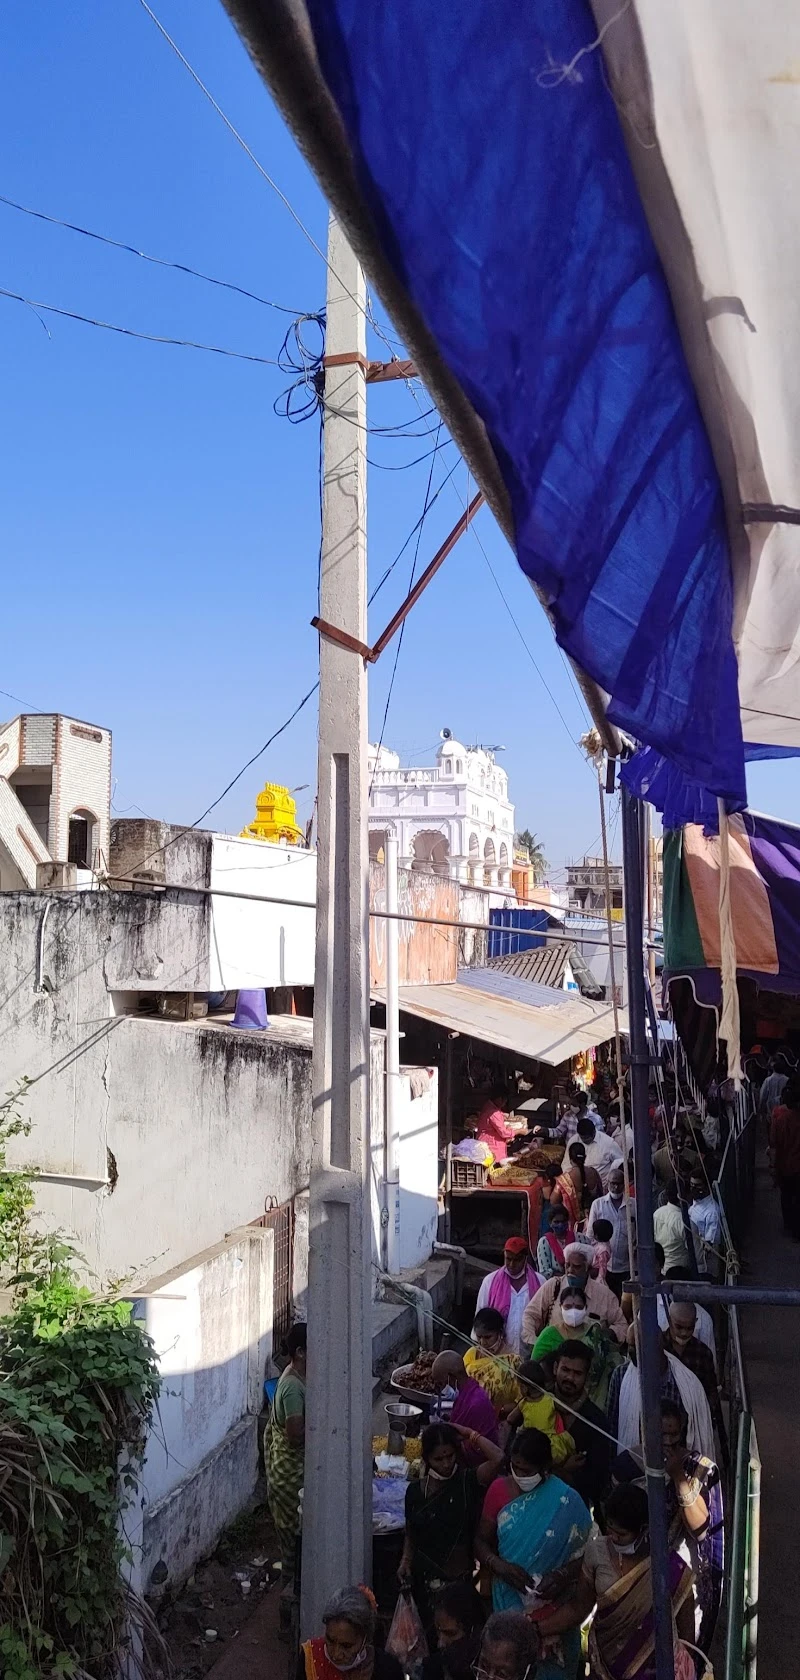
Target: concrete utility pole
337, 1502
392, 1058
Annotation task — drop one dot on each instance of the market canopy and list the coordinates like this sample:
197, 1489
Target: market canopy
537, 1022
765, 905
582, 217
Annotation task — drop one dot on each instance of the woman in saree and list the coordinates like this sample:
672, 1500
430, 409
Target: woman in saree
615, 1578
442, 1512
532, 1525
576, 1187
348, 1643
492, 1363
550, 1250
695, 1516
578, 1325
284, 1455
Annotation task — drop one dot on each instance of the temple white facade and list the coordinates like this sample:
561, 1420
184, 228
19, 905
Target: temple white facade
452, 818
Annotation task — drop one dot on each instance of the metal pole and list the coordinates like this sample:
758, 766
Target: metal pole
392, 1059
337, 1504
448, 1125
753, 1561
650, 1352
734, 1641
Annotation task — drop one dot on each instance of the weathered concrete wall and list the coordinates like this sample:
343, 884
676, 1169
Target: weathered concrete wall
163, 854
212, 1328
166, 1134
262, 944
418, 1124
426, 954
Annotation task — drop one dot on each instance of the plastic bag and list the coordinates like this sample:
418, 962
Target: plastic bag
406, 1639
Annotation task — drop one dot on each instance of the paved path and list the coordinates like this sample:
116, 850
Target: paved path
772, 1353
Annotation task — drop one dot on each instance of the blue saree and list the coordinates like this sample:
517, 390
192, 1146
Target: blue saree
542, 1531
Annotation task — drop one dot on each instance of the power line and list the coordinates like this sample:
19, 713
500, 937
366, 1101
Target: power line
28, 704
133, 251
130, 332
412, 533
240, 141
420, 523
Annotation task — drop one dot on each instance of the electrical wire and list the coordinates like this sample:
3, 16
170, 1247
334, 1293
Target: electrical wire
130, 332
420, 523
232, 783
412, 533
28, 704
240, 141
133, 251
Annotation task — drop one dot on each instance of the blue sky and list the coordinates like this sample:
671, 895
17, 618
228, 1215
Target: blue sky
159, 524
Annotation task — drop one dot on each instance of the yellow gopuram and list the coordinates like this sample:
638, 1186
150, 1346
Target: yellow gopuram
276, 817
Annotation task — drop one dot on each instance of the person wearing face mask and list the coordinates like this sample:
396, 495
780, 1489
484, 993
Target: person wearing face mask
509, 1648
442, 1512
510, 1289
681, 1339
611, 1207
578, 1325
550, 1252
459, 1617
678, 1383
616, 1579
492, 1363
602, 1305
348, 1643
532, 1525
472, 1408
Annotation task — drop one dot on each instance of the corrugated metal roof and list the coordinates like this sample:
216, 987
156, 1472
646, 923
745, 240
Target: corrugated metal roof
546, 965
534, 1021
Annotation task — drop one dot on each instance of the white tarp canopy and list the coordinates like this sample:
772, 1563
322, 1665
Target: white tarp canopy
709, 95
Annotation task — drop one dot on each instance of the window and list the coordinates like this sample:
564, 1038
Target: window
459, 767
448, 766
78, 847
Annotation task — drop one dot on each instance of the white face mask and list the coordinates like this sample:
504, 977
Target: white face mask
630, 1550
347, 1667
526, 1484
573, 1316
438, 1477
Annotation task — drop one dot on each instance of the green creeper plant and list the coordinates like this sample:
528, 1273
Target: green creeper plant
78, 1384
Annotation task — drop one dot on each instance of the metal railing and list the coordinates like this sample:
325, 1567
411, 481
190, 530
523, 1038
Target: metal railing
733, 1191
741, 1641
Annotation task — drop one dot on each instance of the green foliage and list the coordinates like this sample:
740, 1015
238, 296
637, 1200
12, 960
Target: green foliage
78, 1383
536, 853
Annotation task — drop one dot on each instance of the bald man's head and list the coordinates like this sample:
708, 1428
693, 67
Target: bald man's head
448, 1368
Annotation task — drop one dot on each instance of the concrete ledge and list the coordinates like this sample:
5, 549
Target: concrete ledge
394, 1325
186, 1524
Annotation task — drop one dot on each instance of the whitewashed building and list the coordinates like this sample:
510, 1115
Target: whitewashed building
55, 790
452, 818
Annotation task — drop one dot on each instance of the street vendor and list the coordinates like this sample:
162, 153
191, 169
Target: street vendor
494, 1129
510, 1289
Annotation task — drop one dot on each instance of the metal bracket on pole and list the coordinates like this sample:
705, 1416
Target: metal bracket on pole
370, 654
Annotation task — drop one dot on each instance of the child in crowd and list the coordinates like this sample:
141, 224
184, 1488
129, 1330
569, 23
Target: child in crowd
537, 1410
603, 1232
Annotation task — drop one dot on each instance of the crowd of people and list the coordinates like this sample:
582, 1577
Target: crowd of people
531, 1495
527, 1524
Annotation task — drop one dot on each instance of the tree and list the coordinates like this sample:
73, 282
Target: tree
536, 853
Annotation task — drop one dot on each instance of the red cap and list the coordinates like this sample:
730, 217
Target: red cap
515, 1245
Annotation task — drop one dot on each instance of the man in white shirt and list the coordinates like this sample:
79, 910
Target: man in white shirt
670, 1231
510, 1289
612, 1208
706, 1228
602, 1152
